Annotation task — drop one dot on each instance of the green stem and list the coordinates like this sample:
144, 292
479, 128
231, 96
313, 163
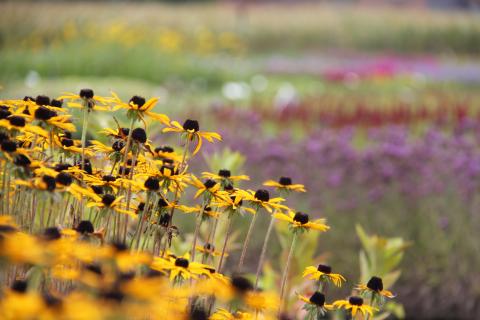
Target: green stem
227, 236
247, 240
264, 250
86, 113
287, 268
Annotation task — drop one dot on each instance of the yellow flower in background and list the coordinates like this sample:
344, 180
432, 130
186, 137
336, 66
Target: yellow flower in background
354, 304
139, 107
109, 201
285, 184
323, 272
317, 300
180, 266
261, 198
375, 286
223, 314
91, 101
191, 129
262, 301
301, 220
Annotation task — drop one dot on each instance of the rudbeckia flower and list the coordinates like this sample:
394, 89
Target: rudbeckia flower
262, 301
139, 108
210, 187
375, 286
19, 123
191, 130
301, 221
316, 303
208, 249
261, 198
223, 314
285, 184
90, 100
323, 272
180, 266
224, 177
354, 304
109, 201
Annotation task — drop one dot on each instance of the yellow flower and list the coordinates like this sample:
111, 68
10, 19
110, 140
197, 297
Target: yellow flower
300, 220
210, 187
262, 301
317, 299
261, 198
323, 272
90, 100
180, 266
354, 304
375, 286
191, 129
137, 106
209, 250
21, 305
285, 184
109, 201
223, 314
224, 176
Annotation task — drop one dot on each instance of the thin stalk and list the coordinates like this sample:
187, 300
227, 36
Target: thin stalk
86, 113
168, 241
195, 235
264, 250
127, 147
129, 193
287, 268
227, 237
211, 235
247, 240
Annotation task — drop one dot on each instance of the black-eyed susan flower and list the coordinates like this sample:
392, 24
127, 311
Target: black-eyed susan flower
89, 100
191, 129
224, 177
261, 199
210, 188
109, 201
263, 302
285, 184
138, 107
223, 314
354, 304
180, 267
323, 273
315, 305
208, 250
301, 221
375, 287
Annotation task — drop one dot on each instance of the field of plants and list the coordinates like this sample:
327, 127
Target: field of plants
238, 161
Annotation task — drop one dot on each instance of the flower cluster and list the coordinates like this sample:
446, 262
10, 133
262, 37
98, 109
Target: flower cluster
88, 227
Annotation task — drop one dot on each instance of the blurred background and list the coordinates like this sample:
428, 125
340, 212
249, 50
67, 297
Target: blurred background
373, 105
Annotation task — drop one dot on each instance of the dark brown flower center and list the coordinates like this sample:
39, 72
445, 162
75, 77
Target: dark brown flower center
285, 181
86, 94
224, 173
191, 125
324, 268
108, 199
301, 217
318, 299
181, 262
262, 195
375, 284
137, 100
356, 301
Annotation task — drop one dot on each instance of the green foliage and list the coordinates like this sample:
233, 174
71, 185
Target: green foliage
225, 159
381, 257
